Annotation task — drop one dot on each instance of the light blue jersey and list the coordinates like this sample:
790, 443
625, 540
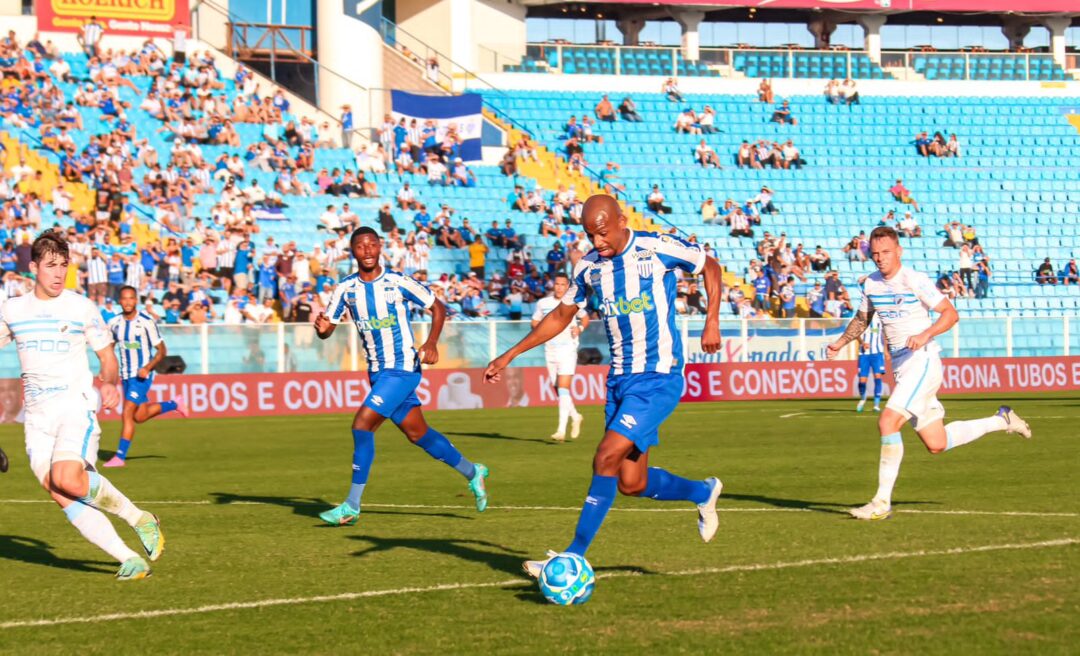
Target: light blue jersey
380, 313
636, 293
135, 342
872, 341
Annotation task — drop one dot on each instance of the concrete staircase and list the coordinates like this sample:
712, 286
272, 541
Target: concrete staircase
403, 71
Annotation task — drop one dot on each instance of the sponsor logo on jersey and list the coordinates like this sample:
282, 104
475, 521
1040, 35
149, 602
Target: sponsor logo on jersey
377, 324
376, 399
628, 421
130, 346
625, 306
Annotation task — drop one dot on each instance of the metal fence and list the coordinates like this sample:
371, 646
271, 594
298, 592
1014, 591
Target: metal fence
249, 348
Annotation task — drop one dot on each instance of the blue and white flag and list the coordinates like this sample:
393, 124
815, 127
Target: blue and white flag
463, 111
269, 214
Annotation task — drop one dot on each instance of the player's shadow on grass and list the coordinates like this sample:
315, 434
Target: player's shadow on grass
495, 556
500, 436
107, 455
310, 506
36, 552
813, 506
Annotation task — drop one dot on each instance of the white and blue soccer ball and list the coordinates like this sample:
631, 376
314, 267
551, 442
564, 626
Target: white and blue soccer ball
567, 579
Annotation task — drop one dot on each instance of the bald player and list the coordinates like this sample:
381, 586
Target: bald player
633, 276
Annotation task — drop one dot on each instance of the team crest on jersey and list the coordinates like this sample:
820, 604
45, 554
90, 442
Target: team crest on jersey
391, 295
898, 300
645, 268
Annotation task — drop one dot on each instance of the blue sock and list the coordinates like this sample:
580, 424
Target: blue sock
92, 488
363, 455
168, 406
440, 448
877, 391
121, 451
665, 486
862, 389
602, 493
74, 510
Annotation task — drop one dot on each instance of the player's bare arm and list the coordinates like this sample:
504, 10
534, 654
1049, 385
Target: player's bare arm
854, 331
554, 323
947, 318
109, 375
323, 326
159, 354
714, 289
429, 350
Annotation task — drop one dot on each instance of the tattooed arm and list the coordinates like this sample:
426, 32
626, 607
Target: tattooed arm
854, 331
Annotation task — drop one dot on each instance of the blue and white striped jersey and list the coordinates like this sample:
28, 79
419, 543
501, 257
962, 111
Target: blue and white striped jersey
135, 342
872, 342
380, 313
636, 294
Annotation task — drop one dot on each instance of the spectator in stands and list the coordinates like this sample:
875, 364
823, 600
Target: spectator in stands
983, 273
1070, 274
605, 111
854, 248
510, 238
406, 198
556, 259
815, 300
745, 156
782, 115
655, 201
850, 93
787, 301
908, 226
832, 91
628, 110
346, 126
765, 92
952, 147
901, 194
1045, 275
609, 178
706, 121
686, 123
740, 224
962, 290
706, 156
764, 201
820, 260
966, 267
709, 214
89, 37
762, 291
937, 145
790, 156
671, 90
954, 235
922, 143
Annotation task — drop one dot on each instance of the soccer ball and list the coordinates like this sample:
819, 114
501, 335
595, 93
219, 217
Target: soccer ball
567, 579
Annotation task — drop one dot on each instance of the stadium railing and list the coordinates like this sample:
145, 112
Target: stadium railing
287, 348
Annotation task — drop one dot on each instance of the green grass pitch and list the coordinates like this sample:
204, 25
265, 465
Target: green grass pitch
983, 555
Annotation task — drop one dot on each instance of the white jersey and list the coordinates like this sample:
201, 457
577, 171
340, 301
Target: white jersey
903, 304
52, 337
565, 339
136, 340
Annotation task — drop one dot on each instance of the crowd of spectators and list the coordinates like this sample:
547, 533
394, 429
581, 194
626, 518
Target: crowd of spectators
937, 145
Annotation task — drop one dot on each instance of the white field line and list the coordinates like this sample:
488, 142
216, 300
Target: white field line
421, 506
793, 414
349, 596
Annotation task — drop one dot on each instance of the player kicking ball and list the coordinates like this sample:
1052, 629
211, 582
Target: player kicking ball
560, 354
52, 329
633, 276
871, 360
376, 301
140, 349
903, 299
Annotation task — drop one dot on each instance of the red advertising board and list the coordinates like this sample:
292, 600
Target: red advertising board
1011, 6
150, 18
246, 395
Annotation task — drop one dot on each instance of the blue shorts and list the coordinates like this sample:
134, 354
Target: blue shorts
638, 403
137, 390
393, 393
871, 363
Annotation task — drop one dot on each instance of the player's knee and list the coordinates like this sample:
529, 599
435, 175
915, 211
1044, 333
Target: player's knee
631, 488
606, 462
935, 449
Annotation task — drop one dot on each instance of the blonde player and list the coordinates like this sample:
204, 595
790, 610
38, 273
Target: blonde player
903, 299
561, 355
52, 329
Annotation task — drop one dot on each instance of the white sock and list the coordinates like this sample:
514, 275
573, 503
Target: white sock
892, 453
98, 530
959, 433
565, 405
103, 495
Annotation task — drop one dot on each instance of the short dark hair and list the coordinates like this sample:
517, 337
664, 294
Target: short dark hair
884, 232
49, 243
360, 232
560, 275
125, 288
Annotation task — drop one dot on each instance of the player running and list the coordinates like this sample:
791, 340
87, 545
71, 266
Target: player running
52, 329
561, 356
871, 359
902, 298
140, 349
633, 275
376, 301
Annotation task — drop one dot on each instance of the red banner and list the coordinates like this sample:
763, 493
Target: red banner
150, 18
249, 395
1010, 6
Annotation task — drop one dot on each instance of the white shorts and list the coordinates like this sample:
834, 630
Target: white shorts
61, 429
561, 362
918, 378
